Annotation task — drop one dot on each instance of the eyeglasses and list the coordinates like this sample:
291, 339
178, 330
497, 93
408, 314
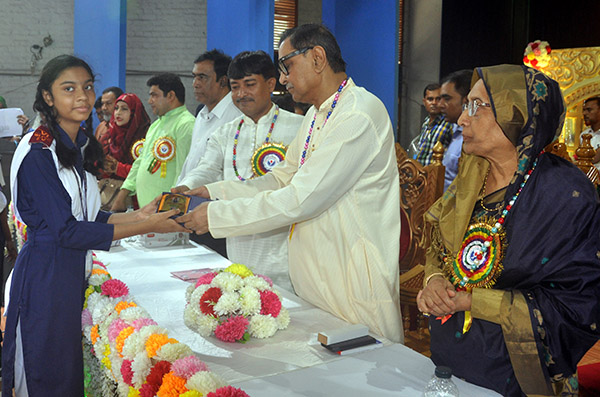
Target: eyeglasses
471, 107
283, 67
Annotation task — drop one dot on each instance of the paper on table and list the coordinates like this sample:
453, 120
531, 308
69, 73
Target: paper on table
8, 122
191, 276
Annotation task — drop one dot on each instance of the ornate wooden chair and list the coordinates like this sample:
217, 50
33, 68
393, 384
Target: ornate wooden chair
420, 187
585, 154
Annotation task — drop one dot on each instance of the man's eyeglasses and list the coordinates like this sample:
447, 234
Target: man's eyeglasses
471, 107
283, 67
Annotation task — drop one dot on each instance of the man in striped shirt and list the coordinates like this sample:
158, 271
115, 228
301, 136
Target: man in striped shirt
435, 128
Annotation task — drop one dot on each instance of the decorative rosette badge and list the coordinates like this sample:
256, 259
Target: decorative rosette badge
163, 152
136, 149
266, 157
478, 262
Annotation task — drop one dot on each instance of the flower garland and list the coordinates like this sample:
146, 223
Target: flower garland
537, 54
234, 304
135, 356
17, 228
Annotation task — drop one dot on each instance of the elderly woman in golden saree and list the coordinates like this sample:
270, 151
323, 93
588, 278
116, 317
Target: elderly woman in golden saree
512, 281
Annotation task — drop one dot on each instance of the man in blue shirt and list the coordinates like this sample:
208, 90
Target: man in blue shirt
455, 88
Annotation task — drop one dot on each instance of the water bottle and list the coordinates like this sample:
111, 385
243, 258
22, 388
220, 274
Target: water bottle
441, 384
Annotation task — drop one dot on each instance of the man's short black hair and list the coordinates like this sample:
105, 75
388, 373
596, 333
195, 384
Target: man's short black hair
247, 63
168, 82
311, 35
115, 90
431, 87
594, 98
461, 80
219, 59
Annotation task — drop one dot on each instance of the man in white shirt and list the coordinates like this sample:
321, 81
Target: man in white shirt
246, 148
338, 187
211, 88
591, 117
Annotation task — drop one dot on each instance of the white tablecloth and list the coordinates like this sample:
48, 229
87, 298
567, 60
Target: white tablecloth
291, 363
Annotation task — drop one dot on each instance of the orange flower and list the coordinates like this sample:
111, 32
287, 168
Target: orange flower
94, 335
124, 305
99, 271
123, 335
172, 386
155, 342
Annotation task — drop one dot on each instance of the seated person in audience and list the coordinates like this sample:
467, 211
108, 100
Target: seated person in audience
591, 117
248, 147
98, 108
109, 97
512, 278
338, 188
128, 126
55, 194
167, 143
455, 88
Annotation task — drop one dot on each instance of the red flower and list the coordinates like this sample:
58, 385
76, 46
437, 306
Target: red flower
227, 391
154, 379
233, 329
209, 299
114, 288
269, 303
127, 372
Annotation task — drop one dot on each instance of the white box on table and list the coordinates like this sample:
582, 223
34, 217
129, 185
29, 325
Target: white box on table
154, 240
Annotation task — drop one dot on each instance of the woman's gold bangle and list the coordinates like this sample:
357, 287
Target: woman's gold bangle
432, 275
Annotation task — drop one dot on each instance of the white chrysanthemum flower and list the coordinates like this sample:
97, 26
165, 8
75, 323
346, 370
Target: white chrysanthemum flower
188, 292
190, 316
228, 303
249, 301
134, 344
257, 282
122, 388
98, 279
206, 325
141, 368
101, 309
204, 382
262, 326
93, 300
283, 320
173, 351
133, 313
103, 326
148, 330
228, 281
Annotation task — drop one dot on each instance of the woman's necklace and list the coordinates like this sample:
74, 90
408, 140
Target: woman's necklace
483, 191
237, 134
478, 262
335, 99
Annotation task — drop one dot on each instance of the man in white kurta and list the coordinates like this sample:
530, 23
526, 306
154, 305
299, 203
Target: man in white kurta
265, 253
343, 202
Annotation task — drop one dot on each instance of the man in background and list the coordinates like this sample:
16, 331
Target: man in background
435, 128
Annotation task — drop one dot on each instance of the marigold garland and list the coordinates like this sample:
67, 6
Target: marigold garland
123, 336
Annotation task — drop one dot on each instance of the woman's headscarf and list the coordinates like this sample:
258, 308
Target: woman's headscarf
121, 138
529, 107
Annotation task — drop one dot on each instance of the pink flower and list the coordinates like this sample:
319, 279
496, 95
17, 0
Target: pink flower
232, 329
208, 300
115, 328
228, 391
270, 303
142, 322
127, 372
86, 318
114, 288
188, 366
267, 279
97, 262
206, 279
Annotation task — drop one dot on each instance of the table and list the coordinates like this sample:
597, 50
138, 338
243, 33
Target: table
290, 363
